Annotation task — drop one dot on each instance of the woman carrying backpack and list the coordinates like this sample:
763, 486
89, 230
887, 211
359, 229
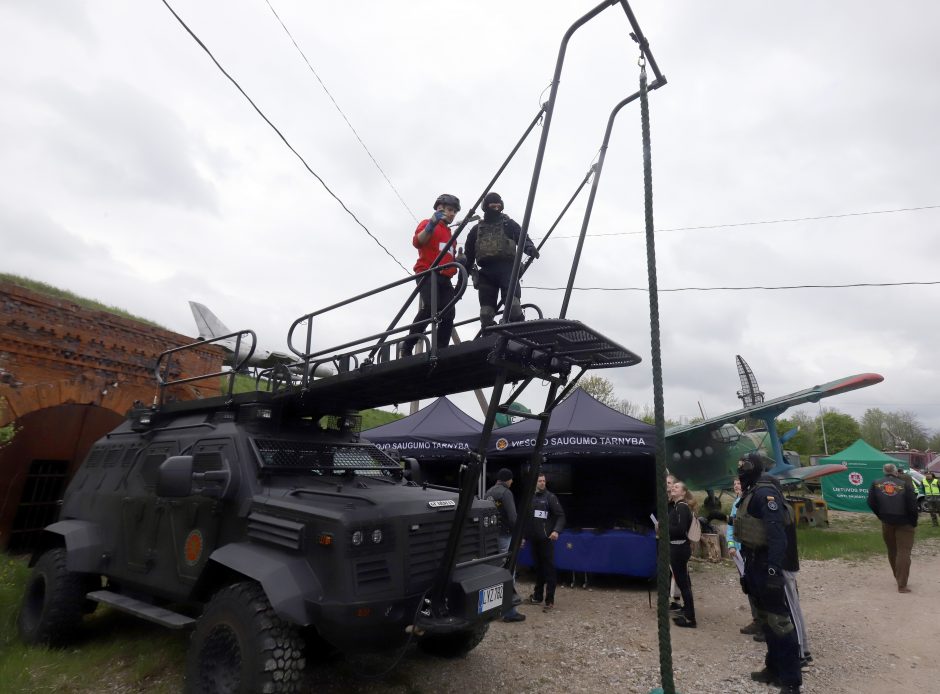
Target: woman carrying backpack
681, 517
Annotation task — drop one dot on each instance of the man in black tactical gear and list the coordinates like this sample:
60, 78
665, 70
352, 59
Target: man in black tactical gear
765, 528
501, 494
492, 245
547, 520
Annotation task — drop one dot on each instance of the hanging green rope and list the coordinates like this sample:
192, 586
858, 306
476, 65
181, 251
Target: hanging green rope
662, 548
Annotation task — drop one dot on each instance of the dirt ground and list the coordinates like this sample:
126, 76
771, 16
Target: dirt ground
865, 637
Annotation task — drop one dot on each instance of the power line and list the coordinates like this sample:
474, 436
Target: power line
302, 55
281, 135
741, 289
768, 221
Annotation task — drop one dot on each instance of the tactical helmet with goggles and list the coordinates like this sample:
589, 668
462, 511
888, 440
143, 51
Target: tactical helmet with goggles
447, 200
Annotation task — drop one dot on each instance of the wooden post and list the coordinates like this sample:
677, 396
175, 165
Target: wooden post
710, 548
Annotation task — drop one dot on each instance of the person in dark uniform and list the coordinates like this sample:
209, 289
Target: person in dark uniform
764, 525
547, 520
680, 550
892, 499
492, 244
501, 494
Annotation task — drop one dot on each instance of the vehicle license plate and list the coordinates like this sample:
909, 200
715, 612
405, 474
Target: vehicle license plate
490, 597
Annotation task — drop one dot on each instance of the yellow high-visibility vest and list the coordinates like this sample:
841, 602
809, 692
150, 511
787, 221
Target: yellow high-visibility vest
931, 487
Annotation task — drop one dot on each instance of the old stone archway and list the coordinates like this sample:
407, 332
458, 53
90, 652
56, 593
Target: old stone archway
68, 374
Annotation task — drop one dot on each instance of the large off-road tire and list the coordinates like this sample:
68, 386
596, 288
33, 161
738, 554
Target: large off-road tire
241, 646
454, 645
53, 602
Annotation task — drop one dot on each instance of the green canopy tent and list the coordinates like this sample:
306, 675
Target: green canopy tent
848, 491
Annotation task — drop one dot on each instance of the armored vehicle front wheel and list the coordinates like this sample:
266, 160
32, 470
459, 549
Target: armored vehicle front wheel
454, 645
53, 602
241, 645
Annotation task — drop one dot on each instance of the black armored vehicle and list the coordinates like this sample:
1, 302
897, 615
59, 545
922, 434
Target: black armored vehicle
264, 522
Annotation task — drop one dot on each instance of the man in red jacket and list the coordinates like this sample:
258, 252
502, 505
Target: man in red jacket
430, 238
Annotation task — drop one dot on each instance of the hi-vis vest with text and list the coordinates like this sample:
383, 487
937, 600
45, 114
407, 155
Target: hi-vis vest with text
492, 242
749, 530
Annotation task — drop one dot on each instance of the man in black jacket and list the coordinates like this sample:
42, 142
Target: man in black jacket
492, 245
892, 499
546, 521
501, 494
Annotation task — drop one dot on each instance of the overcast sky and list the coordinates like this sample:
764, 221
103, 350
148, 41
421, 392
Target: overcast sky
134, 173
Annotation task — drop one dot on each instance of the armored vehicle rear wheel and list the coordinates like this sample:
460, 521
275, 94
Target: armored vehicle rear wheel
454, 645
241, 645
53, 602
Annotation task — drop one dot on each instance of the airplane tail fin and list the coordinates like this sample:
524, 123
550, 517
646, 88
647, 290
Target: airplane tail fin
206, 321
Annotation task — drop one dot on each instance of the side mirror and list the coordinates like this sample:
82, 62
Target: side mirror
411, 470
175, 477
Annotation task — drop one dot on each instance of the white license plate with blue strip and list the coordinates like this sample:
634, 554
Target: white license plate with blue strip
490, 598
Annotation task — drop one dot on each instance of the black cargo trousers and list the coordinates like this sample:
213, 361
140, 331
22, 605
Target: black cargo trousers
775, 618
543, 555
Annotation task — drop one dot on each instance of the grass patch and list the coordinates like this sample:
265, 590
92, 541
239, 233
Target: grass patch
49, 290
853, 536
115, 652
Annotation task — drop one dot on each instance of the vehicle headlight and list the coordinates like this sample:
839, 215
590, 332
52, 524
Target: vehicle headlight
486, 521
357, 538
376, 536
493, 521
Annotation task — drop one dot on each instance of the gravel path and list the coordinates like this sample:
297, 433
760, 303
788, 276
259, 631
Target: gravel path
865, 638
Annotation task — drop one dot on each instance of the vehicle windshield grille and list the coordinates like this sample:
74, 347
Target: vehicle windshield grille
292, 455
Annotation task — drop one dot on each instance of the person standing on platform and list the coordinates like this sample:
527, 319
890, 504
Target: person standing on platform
492, 245
542, 530
892, 499
430, 238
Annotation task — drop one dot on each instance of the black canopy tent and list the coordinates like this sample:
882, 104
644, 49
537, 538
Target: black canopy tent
601, 463
435, 435
598, 460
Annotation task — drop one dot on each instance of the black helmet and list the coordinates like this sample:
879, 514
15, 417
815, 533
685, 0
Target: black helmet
750, 468
447, 199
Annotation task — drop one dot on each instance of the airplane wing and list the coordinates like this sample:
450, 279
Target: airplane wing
776, 406
810, 472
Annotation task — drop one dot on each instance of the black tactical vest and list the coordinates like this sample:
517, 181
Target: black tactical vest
750, 530
492, 242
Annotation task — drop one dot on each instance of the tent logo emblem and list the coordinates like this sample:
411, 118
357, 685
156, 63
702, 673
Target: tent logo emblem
502, 444
856, 478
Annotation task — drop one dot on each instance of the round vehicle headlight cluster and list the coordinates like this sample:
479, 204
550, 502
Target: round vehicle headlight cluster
358, 537
489, 521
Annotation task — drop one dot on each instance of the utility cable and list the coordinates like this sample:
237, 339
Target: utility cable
377, 166
281, 135
742, 289
769, 221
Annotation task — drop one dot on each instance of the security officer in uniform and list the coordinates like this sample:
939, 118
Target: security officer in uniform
542, 529
764, 526
492, 244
